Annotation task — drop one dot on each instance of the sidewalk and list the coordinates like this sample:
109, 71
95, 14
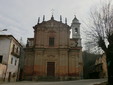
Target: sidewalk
104, 83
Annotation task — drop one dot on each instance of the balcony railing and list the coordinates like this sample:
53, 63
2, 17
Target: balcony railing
15, 54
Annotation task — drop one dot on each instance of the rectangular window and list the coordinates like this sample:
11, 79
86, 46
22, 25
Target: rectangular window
1, 57
15, 62
13, 48
17, 50
51, 41
11, 60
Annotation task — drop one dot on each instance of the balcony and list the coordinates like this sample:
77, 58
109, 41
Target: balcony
15, 54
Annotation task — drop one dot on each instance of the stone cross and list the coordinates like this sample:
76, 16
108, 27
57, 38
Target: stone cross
52, 11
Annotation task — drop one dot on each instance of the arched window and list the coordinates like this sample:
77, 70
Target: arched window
76, 30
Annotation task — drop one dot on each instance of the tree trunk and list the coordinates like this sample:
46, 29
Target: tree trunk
109, 57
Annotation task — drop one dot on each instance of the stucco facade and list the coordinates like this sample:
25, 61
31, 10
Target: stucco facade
9, 57
102, 70
52, 53
99, 69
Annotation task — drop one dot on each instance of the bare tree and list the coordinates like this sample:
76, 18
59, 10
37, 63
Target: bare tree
100, 33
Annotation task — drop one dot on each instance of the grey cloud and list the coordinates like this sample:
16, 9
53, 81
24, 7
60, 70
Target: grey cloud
21, 15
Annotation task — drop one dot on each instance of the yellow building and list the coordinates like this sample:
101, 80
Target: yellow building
101, 66
99, 69
51, 53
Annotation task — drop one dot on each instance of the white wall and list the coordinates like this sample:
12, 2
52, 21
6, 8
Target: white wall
4, 49
12, 67
6, 45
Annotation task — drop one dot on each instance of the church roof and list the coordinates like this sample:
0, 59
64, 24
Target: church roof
51, 23
75, 20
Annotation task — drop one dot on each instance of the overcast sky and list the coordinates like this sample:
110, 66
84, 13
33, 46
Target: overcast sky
19, 16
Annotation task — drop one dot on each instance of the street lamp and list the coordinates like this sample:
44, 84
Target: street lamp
4, 30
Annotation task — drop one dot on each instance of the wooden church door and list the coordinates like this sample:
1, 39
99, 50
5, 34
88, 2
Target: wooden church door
50, 68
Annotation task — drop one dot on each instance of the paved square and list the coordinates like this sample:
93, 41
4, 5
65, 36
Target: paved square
77, 82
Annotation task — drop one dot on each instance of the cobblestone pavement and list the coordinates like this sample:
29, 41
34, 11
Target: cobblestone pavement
77, 82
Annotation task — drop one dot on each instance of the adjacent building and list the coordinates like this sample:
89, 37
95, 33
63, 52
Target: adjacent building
9, 57
89, 63
52, 53
101, 66
99, 69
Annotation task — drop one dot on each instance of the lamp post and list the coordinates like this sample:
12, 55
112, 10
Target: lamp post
3, 30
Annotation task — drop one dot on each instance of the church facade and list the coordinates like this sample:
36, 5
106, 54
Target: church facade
52, 52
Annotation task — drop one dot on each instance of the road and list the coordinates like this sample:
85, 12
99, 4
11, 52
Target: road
77, 82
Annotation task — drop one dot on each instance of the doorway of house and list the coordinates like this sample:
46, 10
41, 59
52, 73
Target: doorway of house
9, 78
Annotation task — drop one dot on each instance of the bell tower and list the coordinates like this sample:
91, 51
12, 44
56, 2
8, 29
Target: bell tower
75, 26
